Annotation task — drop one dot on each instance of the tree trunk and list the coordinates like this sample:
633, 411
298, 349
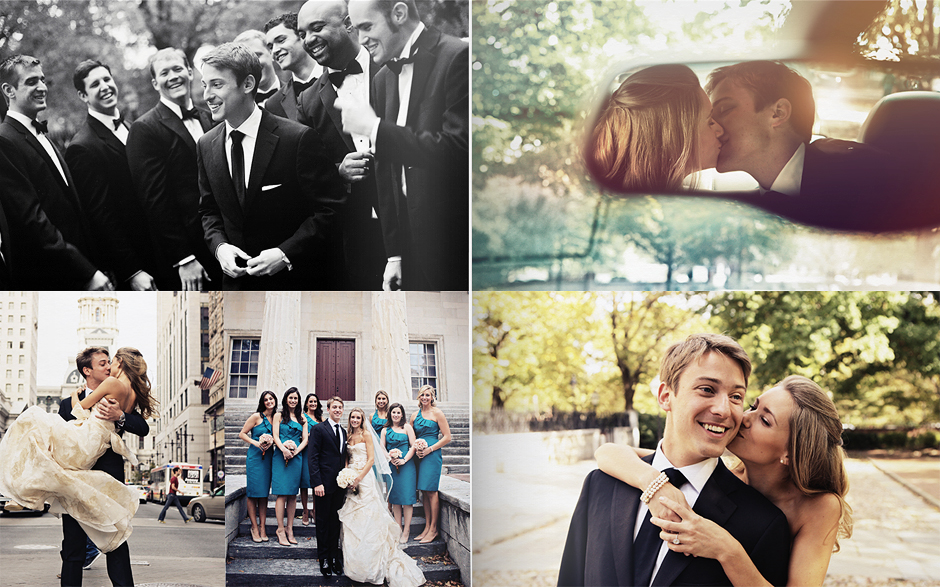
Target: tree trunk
498, 401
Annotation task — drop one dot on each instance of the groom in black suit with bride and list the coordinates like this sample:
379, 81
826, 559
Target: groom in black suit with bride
94, 364
327, 459
704, 379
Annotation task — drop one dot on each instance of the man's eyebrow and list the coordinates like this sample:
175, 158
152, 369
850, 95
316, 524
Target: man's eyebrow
715, 381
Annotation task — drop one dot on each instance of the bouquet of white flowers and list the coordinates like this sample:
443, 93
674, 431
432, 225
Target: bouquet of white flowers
289, 445
420, 445
266, 440
395, 454
347, 477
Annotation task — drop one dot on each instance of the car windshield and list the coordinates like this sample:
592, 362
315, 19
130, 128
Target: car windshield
541, 222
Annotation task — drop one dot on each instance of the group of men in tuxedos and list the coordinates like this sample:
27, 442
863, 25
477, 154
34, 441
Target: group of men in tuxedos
352, 175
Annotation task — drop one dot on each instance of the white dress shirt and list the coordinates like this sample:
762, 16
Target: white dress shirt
192, 125
357, 86
120, 132
790, 179
43, 140
697, 475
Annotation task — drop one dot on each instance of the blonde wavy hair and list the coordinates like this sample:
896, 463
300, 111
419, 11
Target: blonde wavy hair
646, 134
816, 463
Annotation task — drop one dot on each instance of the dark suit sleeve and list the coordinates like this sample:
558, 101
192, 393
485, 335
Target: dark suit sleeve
573, 558
90, 174
23, 211
771, 554
135, 424
321, 183
314, 457
212, 224
147, 157
443, 148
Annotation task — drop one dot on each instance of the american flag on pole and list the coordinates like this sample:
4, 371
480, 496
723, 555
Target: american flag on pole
209, 378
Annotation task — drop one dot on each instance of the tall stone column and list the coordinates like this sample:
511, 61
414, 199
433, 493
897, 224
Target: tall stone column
279, 357
390, 364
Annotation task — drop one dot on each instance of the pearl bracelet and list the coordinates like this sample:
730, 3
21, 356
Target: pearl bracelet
655, 486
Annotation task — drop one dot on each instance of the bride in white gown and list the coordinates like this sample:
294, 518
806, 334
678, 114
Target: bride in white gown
43, 458
369, 533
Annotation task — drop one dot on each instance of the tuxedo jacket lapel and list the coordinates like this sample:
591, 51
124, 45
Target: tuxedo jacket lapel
289, 100
264, 149
425, 58
216, 165
174, 123
33, 142
625, 499
328, 97
106, 136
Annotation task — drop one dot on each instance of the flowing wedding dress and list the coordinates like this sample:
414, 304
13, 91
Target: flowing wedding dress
43, 459
370, 535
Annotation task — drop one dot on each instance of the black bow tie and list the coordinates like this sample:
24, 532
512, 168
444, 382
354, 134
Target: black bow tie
396, 64
118, 122
42, 127
338, 77
192, 113
301, 86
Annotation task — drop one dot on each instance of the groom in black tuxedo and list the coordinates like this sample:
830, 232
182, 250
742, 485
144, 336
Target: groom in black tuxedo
611, 540
94, 363
327, 458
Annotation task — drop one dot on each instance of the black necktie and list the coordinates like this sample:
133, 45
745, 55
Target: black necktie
42, 127
647, 544
338, 77
238, 165
396, 64
192, 113
338, 439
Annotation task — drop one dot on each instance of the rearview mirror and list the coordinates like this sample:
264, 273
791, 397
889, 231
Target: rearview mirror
870, 161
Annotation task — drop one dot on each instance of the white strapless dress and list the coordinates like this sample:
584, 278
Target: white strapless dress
370, 535
43, 459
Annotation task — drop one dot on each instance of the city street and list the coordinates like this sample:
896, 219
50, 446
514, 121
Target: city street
174, 553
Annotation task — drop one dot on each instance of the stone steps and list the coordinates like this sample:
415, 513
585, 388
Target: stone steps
301, 573
243, 547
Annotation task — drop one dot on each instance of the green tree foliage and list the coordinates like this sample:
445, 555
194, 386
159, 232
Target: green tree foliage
906, 29
878, 353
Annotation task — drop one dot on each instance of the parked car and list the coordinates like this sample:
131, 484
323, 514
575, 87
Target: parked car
142, 492
209, 506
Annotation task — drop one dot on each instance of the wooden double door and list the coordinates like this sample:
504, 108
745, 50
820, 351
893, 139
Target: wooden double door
336, 369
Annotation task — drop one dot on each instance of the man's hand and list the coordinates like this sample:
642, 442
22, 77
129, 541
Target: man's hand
268, 262
142, 281
391, 279
108, 409
226, 254
358, 115
193, 276
99, 282
355, 166
319, 491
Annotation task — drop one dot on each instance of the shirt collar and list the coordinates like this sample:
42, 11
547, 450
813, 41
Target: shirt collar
406, 50
24, 120
104, 119
250, 127
313, 75
790, 179
175, 107
696, 474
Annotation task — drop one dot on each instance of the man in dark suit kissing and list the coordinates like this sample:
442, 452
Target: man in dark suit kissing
612, 541
421, 139
268, 191
98, 161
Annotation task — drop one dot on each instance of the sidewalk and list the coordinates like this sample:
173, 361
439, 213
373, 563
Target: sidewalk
521, 515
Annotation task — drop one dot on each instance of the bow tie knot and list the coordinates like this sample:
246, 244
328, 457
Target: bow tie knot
395, 65
41, 126
338, 77
118, 122
192, 113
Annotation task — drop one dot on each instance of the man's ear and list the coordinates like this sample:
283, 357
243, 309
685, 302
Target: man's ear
664, 397
8, 91
249, 83
83, 97
780, 112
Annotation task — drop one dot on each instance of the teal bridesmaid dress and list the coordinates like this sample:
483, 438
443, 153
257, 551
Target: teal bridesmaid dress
429, 468
403, 477
258, 466
378, 423
305, 466
285, 477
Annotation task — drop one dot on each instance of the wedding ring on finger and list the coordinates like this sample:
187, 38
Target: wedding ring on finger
676, 540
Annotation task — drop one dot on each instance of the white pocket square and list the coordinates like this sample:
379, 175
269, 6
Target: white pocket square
270, 187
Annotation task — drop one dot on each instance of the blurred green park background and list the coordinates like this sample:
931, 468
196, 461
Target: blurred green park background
561, 360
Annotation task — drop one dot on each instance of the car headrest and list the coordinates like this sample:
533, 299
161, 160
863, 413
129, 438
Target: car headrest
906, 124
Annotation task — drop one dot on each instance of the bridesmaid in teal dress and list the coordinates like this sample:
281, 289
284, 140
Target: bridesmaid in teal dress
289, 425
399, 434
258, 463
313, 413
380, 417
430, 425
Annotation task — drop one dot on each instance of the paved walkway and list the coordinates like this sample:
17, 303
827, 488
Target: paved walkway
521, 515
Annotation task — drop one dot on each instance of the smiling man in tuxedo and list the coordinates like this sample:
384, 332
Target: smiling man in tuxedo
326, 459
282, 40
161, 151
611, 540
421, 140
269, 192
94, 364
49, 246
98, 161
329, 36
